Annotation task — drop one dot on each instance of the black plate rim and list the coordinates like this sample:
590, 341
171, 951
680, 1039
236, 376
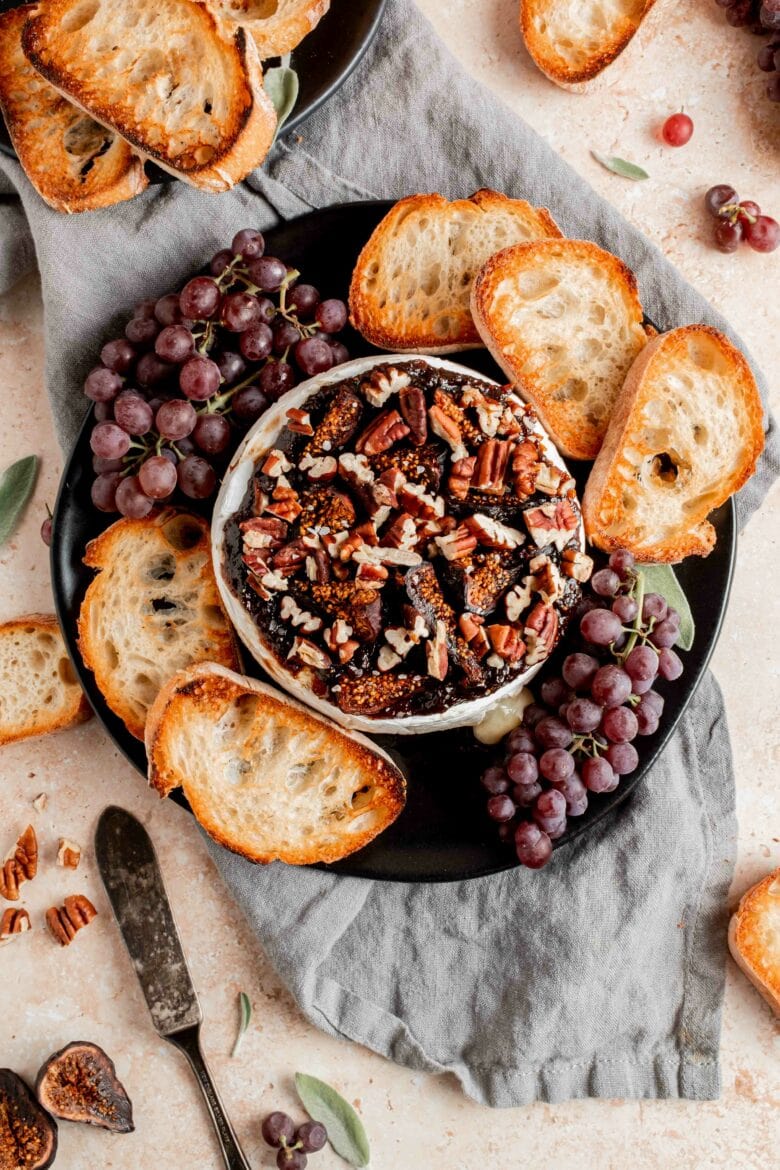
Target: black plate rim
345, 867
298, 116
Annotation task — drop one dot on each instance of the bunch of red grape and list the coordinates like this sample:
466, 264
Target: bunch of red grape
740, 222
763, 18
577, 740
196, 368
279, 1131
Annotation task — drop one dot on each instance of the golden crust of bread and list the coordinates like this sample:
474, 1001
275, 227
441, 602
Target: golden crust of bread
754, 937
603, 505
574, 434
553, 63
73, 163
283, 28
210, 153
139, 543
366, 311
210, 690
75, 709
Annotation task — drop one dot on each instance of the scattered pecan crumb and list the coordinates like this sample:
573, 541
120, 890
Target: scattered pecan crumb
68, 854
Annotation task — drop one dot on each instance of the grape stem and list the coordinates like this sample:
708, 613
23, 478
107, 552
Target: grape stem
638, 594
732, 212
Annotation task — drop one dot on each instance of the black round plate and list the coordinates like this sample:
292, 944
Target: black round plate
323, 61
443, 833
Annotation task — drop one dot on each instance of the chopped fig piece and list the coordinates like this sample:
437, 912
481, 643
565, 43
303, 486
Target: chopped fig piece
337, 426
486, 582
375, 694
418, 464
325, 509
365, 615
28, 1136
79, 1083
425, 594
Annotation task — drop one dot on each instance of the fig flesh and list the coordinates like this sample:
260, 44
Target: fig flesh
79, 1083
28, 1136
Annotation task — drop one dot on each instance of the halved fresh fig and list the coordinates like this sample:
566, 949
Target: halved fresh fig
79, 1083
28, 1136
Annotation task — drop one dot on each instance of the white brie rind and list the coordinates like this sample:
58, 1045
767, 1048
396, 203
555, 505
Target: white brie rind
260, 439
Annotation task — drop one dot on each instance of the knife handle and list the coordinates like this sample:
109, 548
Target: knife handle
188, 1040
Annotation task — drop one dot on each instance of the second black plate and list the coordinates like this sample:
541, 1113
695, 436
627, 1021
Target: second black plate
443, 833
323, 61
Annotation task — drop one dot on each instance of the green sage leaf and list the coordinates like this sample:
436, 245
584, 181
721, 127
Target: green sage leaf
245, 1009
663, 579
16, 487
281, 85
345, 1129
619, 166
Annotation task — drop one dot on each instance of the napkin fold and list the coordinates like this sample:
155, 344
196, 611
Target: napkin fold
601, 975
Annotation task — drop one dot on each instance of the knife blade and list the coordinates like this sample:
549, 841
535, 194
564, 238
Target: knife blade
131, 874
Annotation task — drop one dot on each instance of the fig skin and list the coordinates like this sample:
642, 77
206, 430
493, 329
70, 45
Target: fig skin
28, 1136
79, 1083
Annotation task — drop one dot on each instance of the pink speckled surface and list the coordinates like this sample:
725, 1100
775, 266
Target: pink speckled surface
49, 996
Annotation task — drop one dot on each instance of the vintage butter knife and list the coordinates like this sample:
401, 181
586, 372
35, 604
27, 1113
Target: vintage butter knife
131, 874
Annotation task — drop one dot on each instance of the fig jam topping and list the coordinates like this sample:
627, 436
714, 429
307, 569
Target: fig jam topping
405, 543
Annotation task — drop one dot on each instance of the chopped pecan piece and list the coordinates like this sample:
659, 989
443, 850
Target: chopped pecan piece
290, 558
447, 405
337, 425
553, 481
356, 472
299, 422
384, 383
402, 533
457, 545
518, 598
368, 533
448, 431
490, 471
554, 523
372, 694
460, 477
13, 922
320, 469
310, 655
492, 533
507, 643
284, 501
472, 628
275, 582
386, 555
387, 659
318, 566
386, 487
290, 611
64, 922
21, 865
489, 410
263, 532
276, 464
68, 854
541, 632
412, 403
547, 578
349, 547
414, 498
382, 434
576, 564
337, 635
332, 542
436, 655
370, 575
259, 498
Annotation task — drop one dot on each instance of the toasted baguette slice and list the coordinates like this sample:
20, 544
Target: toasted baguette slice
38, 689
264, 775
754, 937
277, 26
166, 75
410, 287
686, 434
152, 609
73, 163
572, 41
563, 320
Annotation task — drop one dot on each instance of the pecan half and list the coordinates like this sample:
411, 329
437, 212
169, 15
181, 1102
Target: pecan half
554, 523
13, 922
64, 922
21, 865
290, 558
412, 403
337, 425
548, 579
492, 533
490, 471
460, 477
385, 490
541, 632
382, 434
372, 694
518, 599
68, 854
526, 463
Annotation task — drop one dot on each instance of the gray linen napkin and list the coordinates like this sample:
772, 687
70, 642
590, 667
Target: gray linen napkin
602, 975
